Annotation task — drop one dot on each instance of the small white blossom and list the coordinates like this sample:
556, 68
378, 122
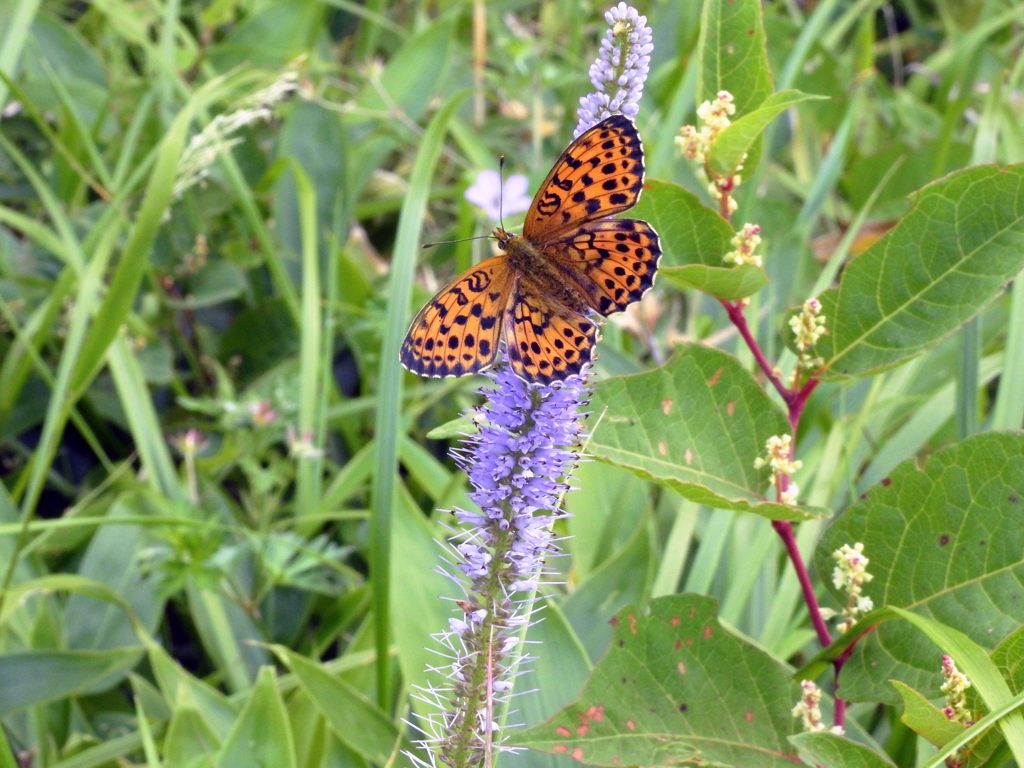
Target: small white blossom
850, 575
744, 245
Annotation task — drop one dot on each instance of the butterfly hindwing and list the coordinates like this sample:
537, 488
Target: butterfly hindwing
457, 331
545, 340
599, 174
615, 261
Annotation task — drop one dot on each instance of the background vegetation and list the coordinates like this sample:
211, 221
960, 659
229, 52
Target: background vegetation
209, 225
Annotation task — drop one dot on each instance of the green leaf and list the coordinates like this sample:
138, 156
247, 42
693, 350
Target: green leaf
560, 661
975, 663
622, 579
943, 540
946, 259
190, 742
1009, 657
215, 283
262, 737
270, 37
730, 146
694, 238
924, 718
733, 53
35, 677
660, 696
184, 691
114, 558
733, 58
837, 752
353, 717
695, 425
721, 282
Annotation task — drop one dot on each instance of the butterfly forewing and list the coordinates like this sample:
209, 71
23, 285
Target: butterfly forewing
615, 261
457, 331
600, 174
545, 340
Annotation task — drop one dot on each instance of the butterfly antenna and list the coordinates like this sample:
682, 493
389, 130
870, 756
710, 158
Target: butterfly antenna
501, 190
458, 240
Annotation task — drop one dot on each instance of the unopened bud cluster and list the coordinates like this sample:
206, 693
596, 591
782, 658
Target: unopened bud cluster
779, 456
744, 245
809, 710
695, 142
850, 575
954, 687
808, 327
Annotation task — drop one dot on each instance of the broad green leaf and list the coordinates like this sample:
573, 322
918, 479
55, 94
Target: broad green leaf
924, 718
181, 689
677, 686
262, 737
227, 632
721, 282
694, 238
190, 742
271, 36
734, 58
696, 425
353, 717
1009, 657
216, 283
727, 153
837, 752
114, 559
559, 668
622, 579
315, 138
35, 677
733, 53
945, 541
946, 259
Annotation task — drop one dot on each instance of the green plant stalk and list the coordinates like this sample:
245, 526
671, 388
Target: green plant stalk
387, 413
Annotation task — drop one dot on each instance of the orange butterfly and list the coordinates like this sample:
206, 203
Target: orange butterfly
570, 261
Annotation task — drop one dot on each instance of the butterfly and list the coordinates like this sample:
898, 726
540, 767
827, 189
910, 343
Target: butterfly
571, 261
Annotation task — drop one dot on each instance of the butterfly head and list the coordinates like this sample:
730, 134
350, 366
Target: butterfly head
503, 236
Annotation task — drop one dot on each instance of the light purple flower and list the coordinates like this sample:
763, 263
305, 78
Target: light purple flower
620, 69
487, 193
518, 466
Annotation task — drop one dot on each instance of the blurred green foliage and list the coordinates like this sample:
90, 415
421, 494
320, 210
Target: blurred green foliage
212, 463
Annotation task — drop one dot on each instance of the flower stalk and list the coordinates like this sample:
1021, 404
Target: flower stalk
518, 465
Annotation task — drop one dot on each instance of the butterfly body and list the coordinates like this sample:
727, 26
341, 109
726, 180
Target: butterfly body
540, 273
571, 260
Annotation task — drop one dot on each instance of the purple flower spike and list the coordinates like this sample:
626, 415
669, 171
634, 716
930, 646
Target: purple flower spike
620, 70
517, 465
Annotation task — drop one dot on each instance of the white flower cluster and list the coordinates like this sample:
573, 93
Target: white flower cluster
808, 327
744, 245
809, 710
695, 142
779, 450
850, 575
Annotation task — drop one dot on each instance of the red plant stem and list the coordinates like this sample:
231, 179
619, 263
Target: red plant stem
735, 312
785, 530
796, 401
